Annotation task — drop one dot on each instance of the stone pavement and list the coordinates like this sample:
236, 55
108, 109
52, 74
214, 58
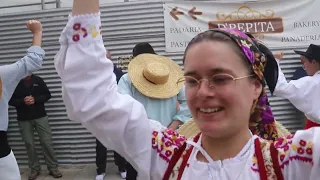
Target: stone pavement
78, 172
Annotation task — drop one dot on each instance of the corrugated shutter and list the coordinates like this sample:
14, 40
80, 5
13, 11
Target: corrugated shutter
124, 25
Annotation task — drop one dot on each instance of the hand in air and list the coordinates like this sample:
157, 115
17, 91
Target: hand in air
34, 26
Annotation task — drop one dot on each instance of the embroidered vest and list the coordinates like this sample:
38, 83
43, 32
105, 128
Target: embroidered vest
265, 153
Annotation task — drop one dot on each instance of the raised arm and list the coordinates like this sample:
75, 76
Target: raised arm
13, 73
90, 90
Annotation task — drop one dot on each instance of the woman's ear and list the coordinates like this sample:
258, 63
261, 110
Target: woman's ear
257, 89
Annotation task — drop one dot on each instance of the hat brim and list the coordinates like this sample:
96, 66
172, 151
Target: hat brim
149, 89
191, 129
302, 53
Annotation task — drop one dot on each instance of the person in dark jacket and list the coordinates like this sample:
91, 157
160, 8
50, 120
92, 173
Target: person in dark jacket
28, 99
101, 151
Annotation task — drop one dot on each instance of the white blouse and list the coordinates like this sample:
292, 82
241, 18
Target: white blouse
121, 123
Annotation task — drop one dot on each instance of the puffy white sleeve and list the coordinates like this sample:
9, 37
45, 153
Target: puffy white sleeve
299, 155
91, 96
301, 93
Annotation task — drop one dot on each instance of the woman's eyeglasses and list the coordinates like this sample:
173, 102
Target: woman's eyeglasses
216, 81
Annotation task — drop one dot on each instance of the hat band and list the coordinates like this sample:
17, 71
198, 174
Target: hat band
154, 78
148, 79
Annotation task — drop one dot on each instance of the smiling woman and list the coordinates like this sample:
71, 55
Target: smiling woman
234, 68
226, 109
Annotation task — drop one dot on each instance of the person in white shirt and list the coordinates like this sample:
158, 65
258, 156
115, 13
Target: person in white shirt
224, 77
304, 93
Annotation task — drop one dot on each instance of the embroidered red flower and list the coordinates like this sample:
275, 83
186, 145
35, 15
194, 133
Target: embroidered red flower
76, 37
309, 151
282, 157
155, 133
168, 153
300, 150
303, 143
76, 26
168, 144
286, 147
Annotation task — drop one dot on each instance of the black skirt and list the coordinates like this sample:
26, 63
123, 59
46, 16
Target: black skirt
4, 145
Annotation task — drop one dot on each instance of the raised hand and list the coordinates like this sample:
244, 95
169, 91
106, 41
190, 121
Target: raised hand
278, 55
34, 26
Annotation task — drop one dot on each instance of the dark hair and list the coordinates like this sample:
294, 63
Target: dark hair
142, 48
310, 59
218, 36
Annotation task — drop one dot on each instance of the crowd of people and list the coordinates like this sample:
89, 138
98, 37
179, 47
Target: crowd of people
139, 114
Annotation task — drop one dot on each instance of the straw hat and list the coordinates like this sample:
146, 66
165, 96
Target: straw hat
191, 129
155, 76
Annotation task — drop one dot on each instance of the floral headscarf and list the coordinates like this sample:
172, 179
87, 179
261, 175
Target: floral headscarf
262, 121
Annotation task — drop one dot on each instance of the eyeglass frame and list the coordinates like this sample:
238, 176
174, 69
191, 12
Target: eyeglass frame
211, 86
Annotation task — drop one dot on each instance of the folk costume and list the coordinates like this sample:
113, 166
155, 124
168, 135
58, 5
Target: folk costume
121, 122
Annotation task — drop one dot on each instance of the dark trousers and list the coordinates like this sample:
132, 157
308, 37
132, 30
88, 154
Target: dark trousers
101, 159
131, 172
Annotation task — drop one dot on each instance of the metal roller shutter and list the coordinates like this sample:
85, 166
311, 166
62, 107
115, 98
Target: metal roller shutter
124, 25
